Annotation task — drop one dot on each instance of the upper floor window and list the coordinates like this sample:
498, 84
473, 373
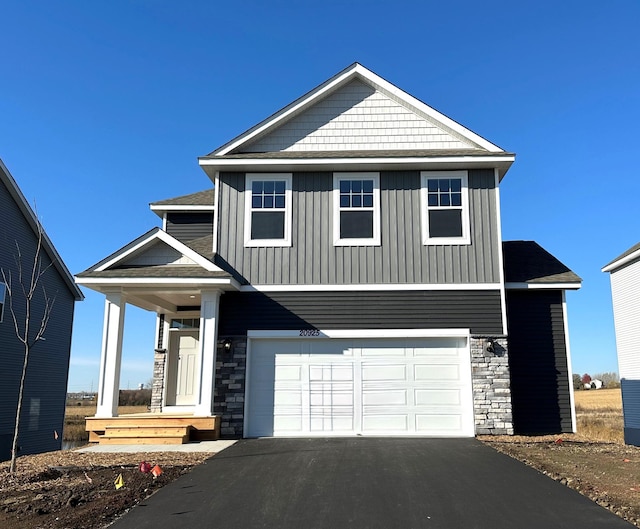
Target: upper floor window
356, 211
3, 290
445, 207
268, 210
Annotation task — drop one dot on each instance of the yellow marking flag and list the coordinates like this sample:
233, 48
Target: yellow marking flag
119, 482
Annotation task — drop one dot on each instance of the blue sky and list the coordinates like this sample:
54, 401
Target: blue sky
106, 105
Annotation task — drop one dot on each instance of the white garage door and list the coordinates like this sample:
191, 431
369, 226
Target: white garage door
323, 386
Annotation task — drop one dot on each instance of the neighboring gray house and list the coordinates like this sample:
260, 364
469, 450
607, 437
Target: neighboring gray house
346, 275
625, 291
45, 391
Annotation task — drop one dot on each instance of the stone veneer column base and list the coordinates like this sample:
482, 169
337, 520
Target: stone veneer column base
159, 363
228, 400
491, 387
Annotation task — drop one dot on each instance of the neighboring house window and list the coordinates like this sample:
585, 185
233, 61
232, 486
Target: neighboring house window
185, 323
356, 211
445, 207
268, 210
3, 290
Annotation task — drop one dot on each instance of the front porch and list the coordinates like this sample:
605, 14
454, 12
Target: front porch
152, 428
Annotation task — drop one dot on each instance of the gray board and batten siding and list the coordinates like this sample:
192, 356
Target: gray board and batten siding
46, 383
540, 392
401, 258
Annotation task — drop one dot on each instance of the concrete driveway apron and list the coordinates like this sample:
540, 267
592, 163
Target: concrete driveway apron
366, 483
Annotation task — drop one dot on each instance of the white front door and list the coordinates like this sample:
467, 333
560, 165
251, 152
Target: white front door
185, 349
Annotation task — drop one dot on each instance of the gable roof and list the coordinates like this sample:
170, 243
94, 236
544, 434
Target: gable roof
32, 220
355, 114
124, 258
624, 258
528, 265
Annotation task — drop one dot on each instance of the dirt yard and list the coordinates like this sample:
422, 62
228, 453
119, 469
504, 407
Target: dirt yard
72, 490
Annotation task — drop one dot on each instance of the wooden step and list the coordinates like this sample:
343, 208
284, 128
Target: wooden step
147, 431
143, 440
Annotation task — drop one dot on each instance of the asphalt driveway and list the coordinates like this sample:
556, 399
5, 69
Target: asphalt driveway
366, 483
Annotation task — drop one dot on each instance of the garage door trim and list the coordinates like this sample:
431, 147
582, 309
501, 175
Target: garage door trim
311, 334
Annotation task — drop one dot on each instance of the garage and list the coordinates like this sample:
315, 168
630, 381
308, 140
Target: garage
359, 386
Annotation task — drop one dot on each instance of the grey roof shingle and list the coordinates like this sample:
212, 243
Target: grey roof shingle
528, 262
160, 271
201, 198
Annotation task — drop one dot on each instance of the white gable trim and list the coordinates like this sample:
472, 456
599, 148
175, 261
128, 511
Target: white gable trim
146, 240
620, 262
355, 71
175, 207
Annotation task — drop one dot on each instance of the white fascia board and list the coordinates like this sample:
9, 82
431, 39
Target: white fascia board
427, 110
166, 238
364, 162
543, 286
175, 207
287, 111
380, 287
621, 262
111, 282
352, 72
362, 333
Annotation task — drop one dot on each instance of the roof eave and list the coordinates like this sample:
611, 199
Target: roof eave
617, 263
525, 285
213, 164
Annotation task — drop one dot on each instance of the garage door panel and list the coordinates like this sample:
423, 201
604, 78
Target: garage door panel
287, 398
285, 373
437, 372
438, 423
383, 372
438, 397
385, 397
385, 423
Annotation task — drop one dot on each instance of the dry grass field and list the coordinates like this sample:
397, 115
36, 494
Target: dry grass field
74, 419
599, 415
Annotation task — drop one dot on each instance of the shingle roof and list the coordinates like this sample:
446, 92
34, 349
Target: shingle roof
201, 198
160, 271
528, 262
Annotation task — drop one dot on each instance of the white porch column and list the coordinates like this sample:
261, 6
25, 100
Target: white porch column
208, 340
111, 356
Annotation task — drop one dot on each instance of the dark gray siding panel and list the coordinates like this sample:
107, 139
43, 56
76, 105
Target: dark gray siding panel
475, 310
46, 383
189, 226
540, 389
401, 257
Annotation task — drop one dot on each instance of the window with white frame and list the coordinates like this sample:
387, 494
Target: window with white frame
268, 209
445, 207
356, 218
3, 290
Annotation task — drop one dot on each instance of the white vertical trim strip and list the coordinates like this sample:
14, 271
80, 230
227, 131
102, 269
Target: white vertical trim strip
216, 210
503, 297
574, 423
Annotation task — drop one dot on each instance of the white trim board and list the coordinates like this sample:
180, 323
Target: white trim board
543, 286
362, 333
352, 72
384, 287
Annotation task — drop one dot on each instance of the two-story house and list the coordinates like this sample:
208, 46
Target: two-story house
346, 275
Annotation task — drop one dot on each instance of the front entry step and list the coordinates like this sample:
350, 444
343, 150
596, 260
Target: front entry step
152, 429
167, 435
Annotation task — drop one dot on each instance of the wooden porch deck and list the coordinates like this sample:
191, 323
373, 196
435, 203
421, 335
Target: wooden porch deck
152, 428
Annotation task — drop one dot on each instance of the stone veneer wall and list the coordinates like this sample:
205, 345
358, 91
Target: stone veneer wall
228, 398
159, 363
491, 387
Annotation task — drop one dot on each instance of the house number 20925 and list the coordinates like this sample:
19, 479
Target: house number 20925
309, 332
